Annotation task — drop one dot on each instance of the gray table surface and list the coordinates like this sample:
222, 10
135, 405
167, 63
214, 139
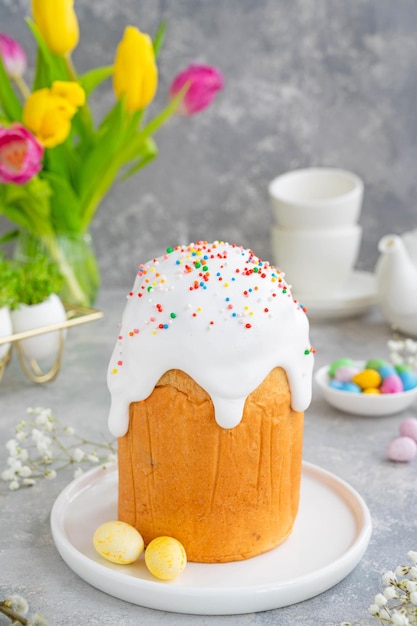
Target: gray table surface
351, 447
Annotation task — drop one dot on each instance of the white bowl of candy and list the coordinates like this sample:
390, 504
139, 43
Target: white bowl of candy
372, 388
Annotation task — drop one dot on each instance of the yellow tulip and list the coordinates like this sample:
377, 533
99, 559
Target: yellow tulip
69, 90
48, 112
58, 24
135, 71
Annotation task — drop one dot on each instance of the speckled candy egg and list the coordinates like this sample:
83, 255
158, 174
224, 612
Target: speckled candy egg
333, 367
367, 379
375, 364
392, 384
408, 428
345, 373
408, 379
118, 542
165, 558
402, 449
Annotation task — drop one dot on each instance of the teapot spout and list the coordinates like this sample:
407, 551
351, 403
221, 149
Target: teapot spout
390, 244
396, 276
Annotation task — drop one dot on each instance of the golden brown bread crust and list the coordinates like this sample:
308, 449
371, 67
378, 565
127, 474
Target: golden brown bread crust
226, 494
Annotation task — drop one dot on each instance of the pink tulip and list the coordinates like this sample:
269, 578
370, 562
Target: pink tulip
13, 55
204, 82
20, 155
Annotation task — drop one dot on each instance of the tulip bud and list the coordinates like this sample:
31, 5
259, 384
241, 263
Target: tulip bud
57, 22
48, 112
135, 72
13, 56
71, 91
20, 155
204, 82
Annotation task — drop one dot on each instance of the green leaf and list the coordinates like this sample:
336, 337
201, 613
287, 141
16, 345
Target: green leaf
12, 235
149, 152
65, 204
49, 66
92, 79
27, 205
9, 101
159, 37
101, 159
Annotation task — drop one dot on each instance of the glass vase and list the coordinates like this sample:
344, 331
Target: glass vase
74, 255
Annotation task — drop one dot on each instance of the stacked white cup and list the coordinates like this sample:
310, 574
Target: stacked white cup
316, 236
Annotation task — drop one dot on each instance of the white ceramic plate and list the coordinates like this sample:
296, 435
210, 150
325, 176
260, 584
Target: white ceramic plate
362, 403
353, 299
329, 538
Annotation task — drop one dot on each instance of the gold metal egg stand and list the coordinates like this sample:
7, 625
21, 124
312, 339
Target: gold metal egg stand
75, 315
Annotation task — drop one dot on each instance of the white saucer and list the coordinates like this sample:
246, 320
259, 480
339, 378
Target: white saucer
354, 298
329, 538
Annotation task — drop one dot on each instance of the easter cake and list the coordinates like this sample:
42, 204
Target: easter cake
209, 380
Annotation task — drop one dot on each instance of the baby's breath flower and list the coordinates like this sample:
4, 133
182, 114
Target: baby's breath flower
411, 585
402, 570
397, 604
413, 572
390, 593
49, 474
403, 352
373, 609
78, 455
380, 600
399, 619
28, 482
412, 556
43, 446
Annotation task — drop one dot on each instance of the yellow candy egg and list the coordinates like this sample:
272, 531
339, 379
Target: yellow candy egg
367, 379
372, 391
118, 542
165, 558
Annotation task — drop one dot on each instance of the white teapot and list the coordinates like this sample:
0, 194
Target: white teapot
396, 276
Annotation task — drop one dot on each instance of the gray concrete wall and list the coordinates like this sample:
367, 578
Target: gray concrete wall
307, 82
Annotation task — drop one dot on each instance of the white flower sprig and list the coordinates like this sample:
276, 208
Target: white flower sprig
15, 608
397, 604
403, 352
43, 446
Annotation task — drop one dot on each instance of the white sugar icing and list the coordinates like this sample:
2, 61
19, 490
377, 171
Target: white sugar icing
220, 314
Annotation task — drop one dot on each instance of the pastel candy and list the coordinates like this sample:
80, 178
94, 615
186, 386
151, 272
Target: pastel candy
336, 364
402, 367
336, 384
372, 391
391, 384
402, 449
367, 378
345, 373
375, 364
408, 428
386, 370
351, 387
408, 380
